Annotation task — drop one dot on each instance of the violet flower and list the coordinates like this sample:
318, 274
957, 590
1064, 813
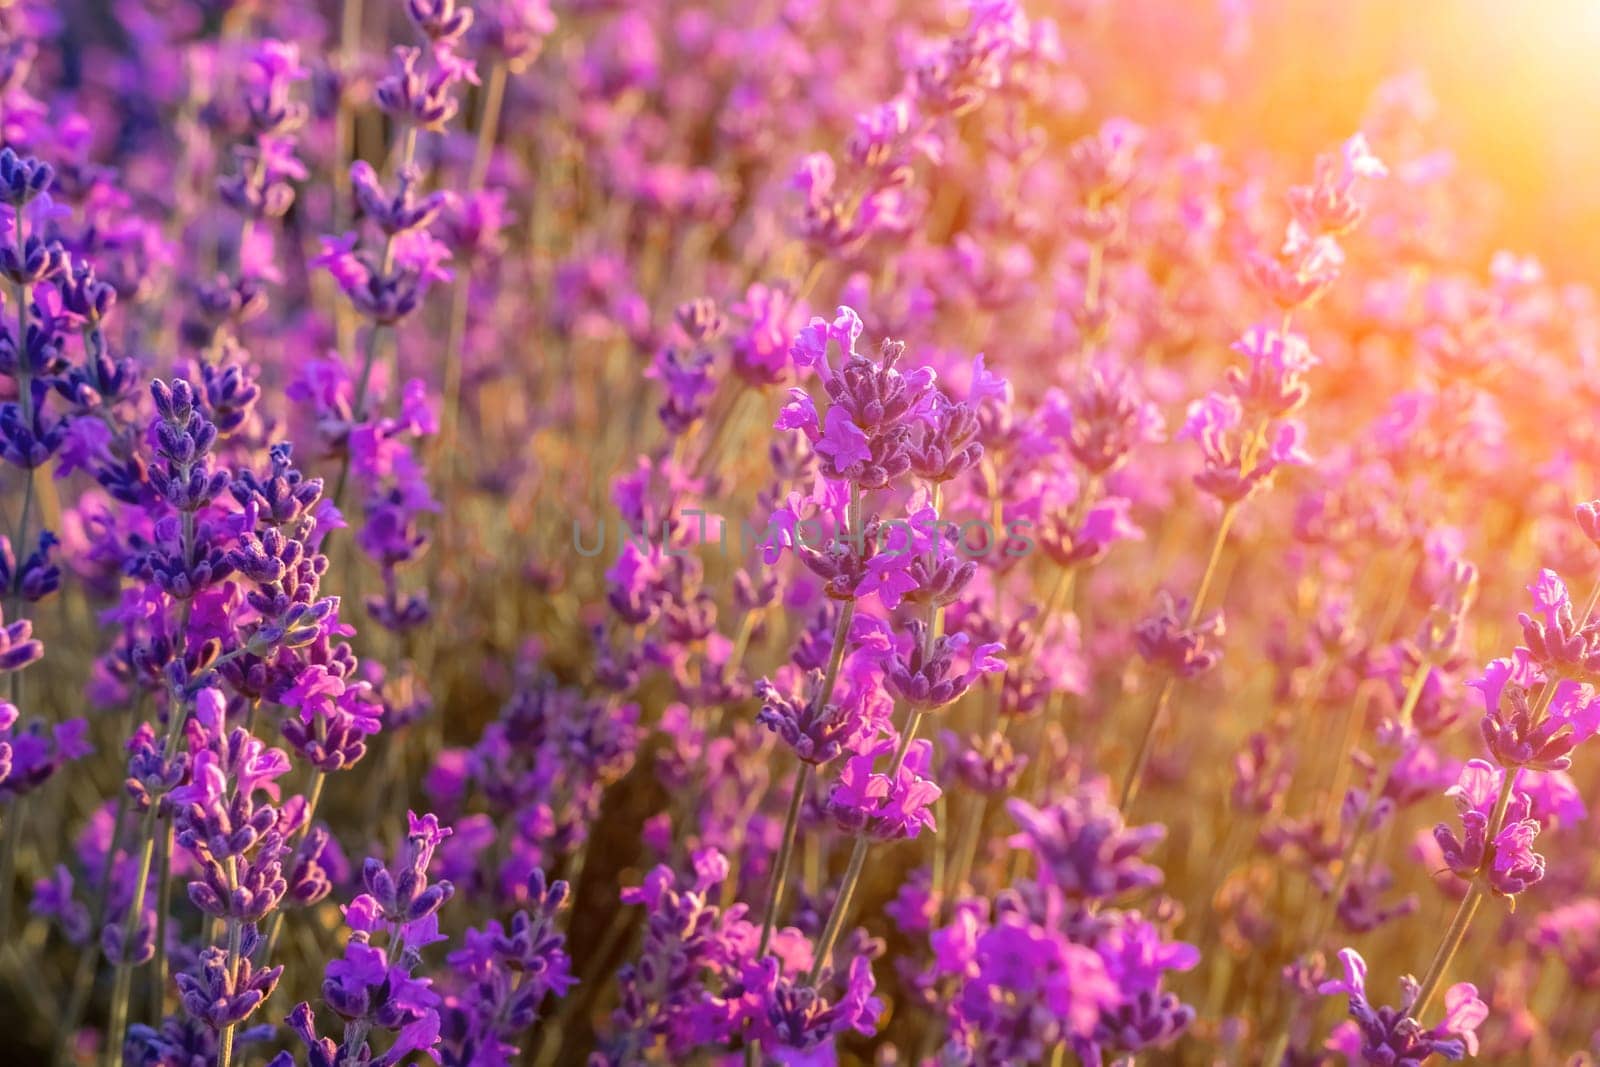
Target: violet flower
1389, 1035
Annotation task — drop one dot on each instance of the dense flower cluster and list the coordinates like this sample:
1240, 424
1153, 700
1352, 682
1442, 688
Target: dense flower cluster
874, 532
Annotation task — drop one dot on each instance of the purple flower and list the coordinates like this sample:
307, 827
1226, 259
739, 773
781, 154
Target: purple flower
884, 807
867, 434
1272, 387
1083, 847
400, 895
794, 1016
1238, 460
816, 734
30, 755
1516, 739
842, 443
929, 678
1104, 524
1167, 640
1390, 1036
1026, 987
18, 647
1515, 866
221, 997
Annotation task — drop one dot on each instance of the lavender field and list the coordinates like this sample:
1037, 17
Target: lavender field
799, 532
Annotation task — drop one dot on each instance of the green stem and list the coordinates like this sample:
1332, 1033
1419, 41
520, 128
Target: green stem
313, 796
488, 129
24, 296
1364, 823
1447, 948
1197, 606
1141, 757
158, 976
780, 869
121, 991
779, 881
83, 980
8, 861
1352, 853
14, 610
858, 854
967, 845
858, 857
824, 693
908, 734
408, 151
841, 906
494, 94
344, 120
225, 1041
369, 357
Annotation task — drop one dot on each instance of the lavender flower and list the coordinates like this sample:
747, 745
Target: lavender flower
1390, 1035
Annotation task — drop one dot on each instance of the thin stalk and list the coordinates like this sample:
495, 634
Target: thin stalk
780, 869
1588, 609
408, 151
721, 433
225, 1040
939, 860
1364, 823
841, 630
1352, 855
158, 975
908, 734
178, 713
1060, 593
24, 296
344, 119
549, 1039
573, 875
813, 865
369, 357
1091, 284
812, 276
8, 860
841, 906
1355, 719
1468, 907
1448, 948
1197, 606
345, 146
779, 881
390, 774
247, 229
121, 991
1141, 757
313, 795
494, 92
14, 609
83, 980
858, 853
355, 1039
966, 846
1393, 606
1356, 713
